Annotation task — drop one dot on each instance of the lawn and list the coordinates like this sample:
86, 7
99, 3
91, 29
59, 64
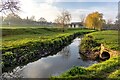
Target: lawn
109, 38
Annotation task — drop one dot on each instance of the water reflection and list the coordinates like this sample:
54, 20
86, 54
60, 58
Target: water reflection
65, 53
56, 64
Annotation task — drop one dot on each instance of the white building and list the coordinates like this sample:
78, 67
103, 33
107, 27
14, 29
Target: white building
76, 25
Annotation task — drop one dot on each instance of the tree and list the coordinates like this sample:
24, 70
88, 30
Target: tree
13, 19
109, 21
82, 18
63, 19
32, 18
42, 20
1, 19
7, 6
94, 21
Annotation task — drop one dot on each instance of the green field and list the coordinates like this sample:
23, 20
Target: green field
109, 69
109, 38
12, 38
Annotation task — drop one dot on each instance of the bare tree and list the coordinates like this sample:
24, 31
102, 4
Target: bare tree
12, 19
82, 18
63, 19
9, 6
42, 20
109, 21
32, 18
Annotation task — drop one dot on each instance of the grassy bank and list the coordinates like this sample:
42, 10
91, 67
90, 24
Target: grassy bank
105, 70
20, 46
102, 71
91, 43
109, 38
13, 38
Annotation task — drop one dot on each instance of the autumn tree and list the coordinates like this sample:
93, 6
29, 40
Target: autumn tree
63, 19
94, 21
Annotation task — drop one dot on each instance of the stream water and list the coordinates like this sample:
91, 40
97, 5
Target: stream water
53, 65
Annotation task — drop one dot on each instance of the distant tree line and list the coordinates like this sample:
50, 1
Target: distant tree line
13, 19
11, 8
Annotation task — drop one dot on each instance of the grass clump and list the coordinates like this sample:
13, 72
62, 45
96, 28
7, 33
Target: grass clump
74, 71
115, 74
88, 44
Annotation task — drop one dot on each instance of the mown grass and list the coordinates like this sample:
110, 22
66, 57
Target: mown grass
109, 38
104, 70
22, 26
12, 38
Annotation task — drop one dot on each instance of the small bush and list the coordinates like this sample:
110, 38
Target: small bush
108, 70
88, 44
74, 71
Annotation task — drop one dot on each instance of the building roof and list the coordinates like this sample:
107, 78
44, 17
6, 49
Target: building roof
76, 22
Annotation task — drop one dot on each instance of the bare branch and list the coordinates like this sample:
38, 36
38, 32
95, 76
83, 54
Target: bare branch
63, 19
9, 6
82, 17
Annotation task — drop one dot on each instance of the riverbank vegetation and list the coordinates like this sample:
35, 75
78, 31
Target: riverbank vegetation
108, 37
108, 70
24, 45
91, 43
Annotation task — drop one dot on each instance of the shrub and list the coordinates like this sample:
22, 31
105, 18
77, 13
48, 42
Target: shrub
88, 44
74, 71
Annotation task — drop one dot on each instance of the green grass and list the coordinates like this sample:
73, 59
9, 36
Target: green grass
22, 26
115, 74
109, 38
105, 70
12, 38
110, 69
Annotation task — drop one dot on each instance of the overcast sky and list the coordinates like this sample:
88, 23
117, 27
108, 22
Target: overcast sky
49, 9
